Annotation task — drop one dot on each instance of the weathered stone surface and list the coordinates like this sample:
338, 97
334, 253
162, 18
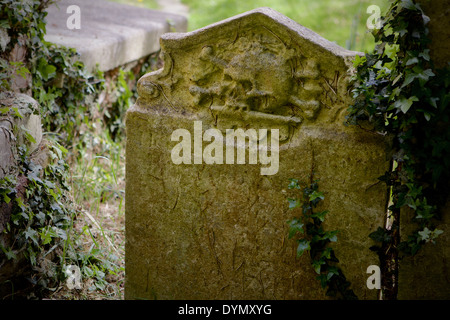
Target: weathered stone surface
219, 231
13, 128
439, 26
111, 34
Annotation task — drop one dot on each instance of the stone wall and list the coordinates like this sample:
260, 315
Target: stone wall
110, 34
204, 230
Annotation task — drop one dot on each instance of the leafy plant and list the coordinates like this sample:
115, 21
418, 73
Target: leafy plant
114, 116
44, 221
312, 237
401, 94
40, 213
64, 89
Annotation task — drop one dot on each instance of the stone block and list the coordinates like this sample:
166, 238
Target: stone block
13, 129
110, 34
203, 230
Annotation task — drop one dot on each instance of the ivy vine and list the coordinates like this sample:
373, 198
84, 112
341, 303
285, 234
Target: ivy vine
64, 90
398, 92
40, 214
35, 199
312, 237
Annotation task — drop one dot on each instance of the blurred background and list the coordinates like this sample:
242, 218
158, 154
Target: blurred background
340, 21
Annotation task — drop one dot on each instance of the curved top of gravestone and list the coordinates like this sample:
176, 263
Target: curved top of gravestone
264, 16
259, 68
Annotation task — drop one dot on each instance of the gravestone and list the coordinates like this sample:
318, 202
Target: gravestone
206, 217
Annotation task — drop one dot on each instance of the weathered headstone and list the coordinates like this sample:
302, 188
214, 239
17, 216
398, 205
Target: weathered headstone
199, 226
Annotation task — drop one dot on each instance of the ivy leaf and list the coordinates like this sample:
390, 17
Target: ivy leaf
6, 198
359, 60
303, 245
41, 217
317, 265
27, 134
429, 236
427, 115
404, 104
412, 61
409, 78
424, 234
380, 235
408, 4
9, 253
433, 102
33, 176
32, 256
326, 253
293, 203
294, 227
47, 71
425, 54
293, 184
331, 272
55, 207
331, 235
17, 113
436, 233
426, 74
316, 195
320, 215
31, 234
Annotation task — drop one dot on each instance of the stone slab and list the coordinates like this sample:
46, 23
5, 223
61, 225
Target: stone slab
110, 34
219, 231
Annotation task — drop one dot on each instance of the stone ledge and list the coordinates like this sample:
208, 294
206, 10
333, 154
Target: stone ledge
111, 34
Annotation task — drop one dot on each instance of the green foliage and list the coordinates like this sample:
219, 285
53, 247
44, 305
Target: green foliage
24, 22
114, 116
64, 90
40, 212
401, 94
312, 237
43, 225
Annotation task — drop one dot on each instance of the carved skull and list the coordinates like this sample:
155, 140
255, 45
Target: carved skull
257, 80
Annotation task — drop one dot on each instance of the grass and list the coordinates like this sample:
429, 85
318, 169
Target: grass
340, 21
97, 190
97, 162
